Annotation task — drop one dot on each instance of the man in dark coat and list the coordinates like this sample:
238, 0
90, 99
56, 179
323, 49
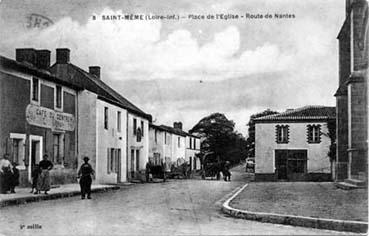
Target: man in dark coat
84, 173
14, 178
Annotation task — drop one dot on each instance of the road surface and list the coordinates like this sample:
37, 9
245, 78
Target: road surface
177, 207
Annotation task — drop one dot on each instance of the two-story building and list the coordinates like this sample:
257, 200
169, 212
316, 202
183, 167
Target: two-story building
168, 144
352, 95
192, 149
294, 145
113, 132
38, 115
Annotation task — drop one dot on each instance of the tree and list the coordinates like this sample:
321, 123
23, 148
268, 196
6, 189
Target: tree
250, 142
219, 136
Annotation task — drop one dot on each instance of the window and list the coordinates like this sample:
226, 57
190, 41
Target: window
313, 133
179, 142
35, 89
157, 160
58, 148
138, 135
113, 156
190, 142
142, 128
165, 137
282, 133
156, 136
194, 143
134, 126
58, 96
106, 117
17, 148
119, 126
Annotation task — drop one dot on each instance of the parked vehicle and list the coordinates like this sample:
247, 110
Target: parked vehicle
211, 166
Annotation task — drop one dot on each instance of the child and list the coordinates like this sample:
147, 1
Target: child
35, 174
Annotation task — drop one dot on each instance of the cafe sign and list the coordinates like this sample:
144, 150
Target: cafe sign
48, 118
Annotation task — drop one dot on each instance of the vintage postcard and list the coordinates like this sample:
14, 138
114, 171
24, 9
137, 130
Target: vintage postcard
184, 117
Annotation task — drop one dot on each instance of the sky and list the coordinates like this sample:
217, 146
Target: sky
185, 69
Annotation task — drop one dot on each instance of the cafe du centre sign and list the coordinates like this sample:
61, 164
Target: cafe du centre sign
48, 118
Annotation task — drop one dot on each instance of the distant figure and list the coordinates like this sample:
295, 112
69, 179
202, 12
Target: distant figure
43, 182
148, 173
84, 173
6, 169
35, 174
14, 178
226, 172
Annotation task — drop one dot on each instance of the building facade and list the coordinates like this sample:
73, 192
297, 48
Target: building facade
167, 144
173, 145
192, 149
113, 132
38, 115
352, 94
294, 145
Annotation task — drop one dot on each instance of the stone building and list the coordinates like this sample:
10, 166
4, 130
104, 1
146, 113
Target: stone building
352, 94
294, 145
38, 115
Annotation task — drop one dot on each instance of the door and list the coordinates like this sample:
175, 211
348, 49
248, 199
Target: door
281, 164
137, 160
118, 164
35, 153
132, 166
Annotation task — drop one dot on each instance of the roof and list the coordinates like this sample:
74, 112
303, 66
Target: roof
306, 113
105, 92
28, 68
169, 129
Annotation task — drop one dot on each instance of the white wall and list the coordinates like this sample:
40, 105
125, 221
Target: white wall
178, 152
265, 144
87, 127
158, 146
191, 152
110, 138
143, 146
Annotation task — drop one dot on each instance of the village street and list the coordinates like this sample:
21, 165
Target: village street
178, 207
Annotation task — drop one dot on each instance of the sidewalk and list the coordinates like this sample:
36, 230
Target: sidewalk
23, 195
308, 204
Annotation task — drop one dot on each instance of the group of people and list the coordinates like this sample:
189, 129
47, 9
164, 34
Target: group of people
9, 176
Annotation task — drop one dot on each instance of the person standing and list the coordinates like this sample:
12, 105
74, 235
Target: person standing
84, 173
35, 175
14, 178
6, 169
43, 183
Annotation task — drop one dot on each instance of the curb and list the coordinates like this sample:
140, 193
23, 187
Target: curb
51, 196
319, 223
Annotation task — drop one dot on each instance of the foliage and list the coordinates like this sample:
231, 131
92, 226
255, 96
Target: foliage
219, 136
250, 146
332, 135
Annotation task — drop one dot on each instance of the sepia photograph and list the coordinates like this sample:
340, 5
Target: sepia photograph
184, 117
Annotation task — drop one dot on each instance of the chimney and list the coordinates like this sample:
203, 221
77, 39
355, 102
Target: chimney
26, 55
177, 125
62, 55
94, 70
43, 59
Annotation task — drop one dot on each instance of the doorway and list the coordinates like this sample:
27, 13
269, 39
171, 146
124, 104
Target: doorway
291, 164
35, 153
